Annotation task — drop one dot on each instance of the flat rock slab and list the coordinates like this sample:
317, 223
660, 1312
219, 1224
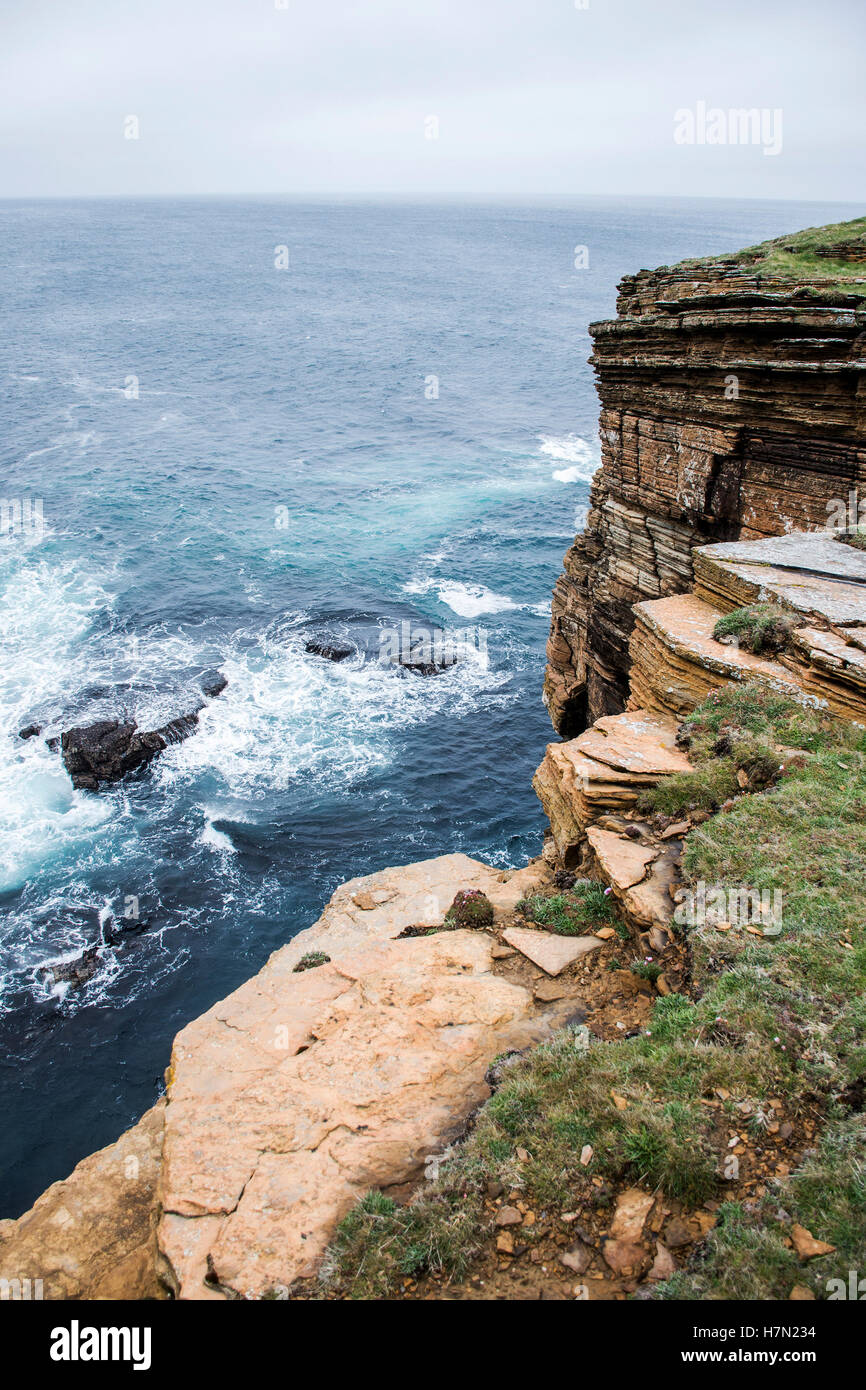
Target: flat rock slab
816, 552
623, 862
550, 952
650, 902
637, 742
808, 571
291, 1098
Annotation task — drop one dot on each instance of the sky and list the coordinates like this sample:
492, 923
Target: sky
425, 98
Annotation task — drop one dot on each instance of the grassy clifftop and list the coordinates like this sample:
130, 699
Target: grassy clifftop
829, 256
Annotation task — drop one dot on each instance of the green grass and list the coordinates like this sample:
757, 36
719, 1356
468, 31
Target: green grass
576, 912
782, 1017
743, 730
705, 789
762, 627
796, 257
747, 1255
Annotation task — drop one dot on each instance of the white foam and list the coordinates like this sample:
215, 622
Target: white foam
213, 838
44, 610
573, 450
286, 716
466, 600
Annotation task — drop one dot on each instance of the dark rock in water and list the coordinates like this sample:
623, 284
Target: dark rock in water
73, 972
328, 650
116, 929
30, 731
214, 686
427, 668
108, 750
101, 752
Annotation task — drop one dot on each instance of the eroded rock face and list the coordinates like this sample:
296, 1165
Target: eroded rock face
732, 408
93, 1236
291, 1098
603, 771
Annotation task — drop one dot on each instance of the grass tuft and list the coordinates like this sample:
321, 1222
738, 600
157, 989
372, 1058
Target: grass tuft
762, 627
576, 912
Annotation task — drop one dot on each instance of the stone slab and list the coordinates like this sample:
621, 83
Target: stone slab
548, 951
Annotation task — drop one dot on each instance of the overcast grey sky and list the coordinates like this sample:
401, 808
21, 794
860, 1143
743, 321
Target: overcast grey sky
532, 97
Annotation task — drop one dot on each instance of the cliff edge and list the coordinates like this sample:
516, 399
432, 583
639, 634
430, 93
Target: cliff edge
733, 407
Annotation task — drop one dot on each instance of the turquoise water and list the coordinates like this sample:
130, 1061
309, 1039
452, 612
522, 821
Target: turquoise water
229, 459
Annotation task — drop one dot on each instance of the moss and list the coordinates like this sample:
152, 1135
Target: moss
705, 789
470, 908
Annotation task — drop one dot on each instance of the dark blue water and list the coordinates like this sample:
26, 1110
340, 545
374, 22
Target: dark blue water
230, 458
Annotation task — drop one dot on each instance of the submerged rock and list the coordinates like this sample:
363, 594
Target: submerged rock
331, 651
74, 973
428, 668
213, 687
417, 665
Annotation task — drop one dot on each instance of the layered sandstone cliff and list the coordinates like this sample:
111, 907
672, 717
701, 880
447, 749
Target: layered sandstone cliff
733, 406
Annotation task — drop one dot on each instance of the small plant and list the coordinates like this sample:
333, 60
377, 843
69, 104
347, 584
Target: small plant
575, 913
470, 908
646, 969
762, 627
310, 961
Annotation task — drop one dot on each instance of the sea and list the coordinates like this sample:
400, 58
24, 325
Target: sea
231, 429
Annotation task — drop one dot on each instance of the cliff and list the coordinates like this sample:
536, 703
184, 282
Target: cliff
733, 407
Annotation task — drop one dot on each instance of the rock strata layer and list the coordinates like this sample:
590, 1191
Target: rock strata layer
733, 407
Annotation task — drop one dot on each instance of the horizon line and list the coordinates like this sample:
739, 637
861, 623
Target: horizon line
416, 196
